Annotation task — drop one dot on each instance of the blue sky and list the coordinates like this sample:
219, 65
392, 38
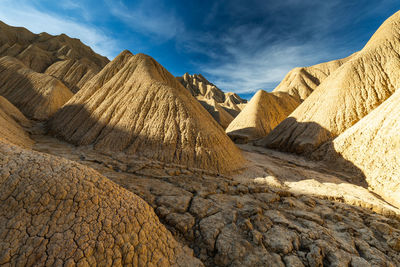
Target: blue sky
240, 46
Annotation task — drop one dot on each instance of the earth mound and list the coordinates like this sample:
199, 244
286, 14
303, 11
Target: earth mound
261, 115
37, 95
57, 212
373, 146
206, 92
12, 122
344, 97
139, 108
62, 57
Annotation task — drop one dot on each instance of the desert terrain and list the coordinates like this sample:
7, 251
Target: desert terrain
120, 163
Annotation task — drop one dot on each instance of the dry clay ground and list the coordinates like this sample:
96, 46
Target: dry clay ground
282, 211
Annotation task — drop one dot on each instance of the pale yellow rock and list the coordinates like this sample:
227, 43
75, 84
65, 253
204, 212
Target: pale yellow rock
213, 99
12, 122
62, 57
301, 82
261, 115
345, 96
373, 146
54, 211
37, 95
136, 106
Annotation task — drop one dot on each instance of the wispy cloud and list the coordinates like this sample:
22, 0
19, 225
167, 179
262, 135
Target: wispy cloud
149, 17
25, 13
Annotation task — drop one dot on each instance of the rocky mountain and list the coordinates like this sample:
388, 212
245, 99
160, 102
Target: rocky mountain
373, 146
143, 110
344, 97
37, 95
213, 99
62, 57
301, 82
261, 115
65, 213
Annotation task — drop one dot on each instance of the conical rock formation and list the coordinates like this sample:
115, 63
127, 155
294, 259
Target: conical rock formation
57, 212
261, 115
12, 122
301, 82
346, 96
204, 91
37, 95
142, 109
373, 146
62, 57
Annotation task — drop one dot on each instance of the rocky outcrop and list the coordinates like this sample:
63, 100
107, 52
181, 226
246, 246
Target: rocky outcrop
373, 146
345, 96
139, 108
230, 221
301, 82
60, 56
206, 92
12, 122
37, 95
261, 115
57, 212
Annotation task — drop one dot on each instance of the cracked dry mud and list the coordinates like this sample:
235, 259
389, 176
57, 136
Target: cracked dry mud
55, 212
232, 221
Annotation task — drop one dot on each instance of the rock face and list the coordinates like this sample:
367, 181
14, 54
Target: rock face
301, 82
37, 95
60, 56
373, 146
139, 108
212, 98
11, 123
345, 96
261, 115
57, 212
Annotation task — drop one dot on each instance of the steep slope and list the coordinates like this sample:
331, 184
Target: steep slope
204, 91
37, 95
261, 115
373, 146
57, 212
301, 82
60, 56
11, 123
346, 96
217, 111
144, 110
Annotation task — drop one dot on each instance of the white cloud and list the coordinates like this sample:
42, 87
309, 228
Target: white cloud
24, 13
148, 17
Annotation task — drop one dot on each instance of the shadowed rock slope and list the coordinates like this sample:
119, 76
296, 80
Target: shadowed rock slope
301, 82
143, 110
65, 58
346, 96
57, 212
261, 115
210, 95
37, 95
11, 123
373, 145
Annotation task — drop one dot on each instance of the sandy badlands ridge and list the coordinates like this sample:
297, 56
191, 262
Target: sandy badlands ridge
143, 175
